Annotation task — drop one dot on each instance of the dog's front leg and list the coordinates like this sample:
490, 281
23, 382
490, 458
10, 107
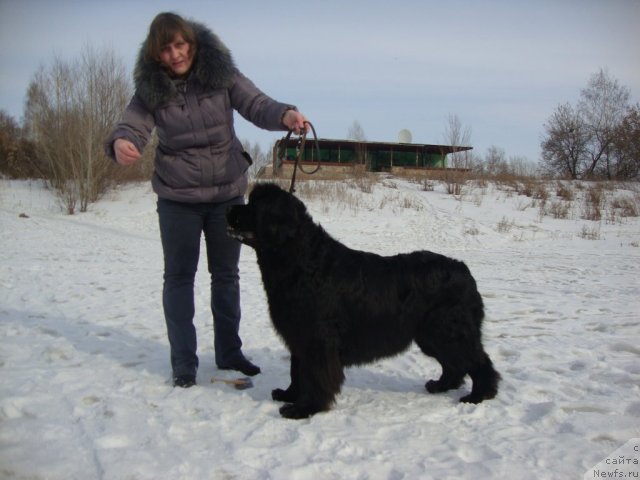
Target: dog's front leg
290, 395
320, 377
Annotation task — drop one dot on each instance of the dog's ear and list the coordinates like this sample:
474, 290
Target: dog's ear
276, 230
279, 216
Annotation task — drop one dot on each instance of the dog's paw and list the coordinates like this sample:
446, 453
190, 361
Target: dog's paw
471, 398
435, 386
295, 411
280, 395
478, 397
440, 386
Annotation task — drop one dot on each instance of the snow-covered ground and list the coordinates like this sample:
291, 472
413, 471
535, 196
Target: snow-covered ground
85, 387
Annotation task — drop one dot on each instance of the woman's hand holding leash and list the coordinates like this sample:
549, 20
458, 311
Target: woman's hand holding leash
295, 121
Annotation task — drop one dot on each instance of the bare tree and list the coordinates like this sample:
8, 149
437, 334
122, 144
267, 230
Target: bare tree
103, 93
356, 132
579, 142
71, 107
495, 162
565, 142
258, 157
521, 166
9, 132
457, 135
603, 105
52, 121
16, 151
626, 146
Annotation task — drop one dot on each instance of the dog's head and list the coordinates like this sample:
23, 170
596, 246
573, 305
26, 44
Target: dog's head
269, 220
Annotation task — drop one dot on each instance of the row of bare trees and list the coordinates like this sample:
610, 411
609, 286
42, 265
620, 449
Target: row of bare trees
599, 138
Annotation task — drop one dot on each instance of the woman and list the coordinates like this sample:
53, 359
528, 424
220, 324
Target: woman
186, 87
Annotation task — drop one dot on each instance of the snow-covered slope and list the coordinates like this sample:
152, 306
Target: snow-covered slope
85, 391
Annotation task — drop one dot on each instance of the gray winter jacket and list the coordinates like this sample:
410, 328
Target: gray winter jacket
198, 158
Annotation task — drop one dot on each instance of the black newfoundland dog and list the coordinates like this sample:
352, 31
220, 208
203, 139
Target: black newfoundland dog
335, 307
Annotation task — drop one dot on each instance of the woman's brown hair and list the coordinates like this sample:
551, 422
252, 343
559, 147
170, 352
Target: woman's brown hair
163, 30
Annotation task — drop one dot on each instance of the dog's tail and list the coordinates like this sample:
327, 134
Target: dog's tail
485, 382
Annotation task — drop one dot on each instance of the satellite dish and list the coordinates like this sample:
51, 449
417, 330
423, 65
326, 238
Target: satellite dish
404, 136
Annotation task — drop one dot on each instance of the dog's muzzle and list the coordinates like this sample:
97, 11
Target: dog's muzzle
248, 238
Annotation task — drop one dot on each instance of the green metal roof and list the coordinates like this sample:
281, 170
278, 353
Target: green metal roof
398, 147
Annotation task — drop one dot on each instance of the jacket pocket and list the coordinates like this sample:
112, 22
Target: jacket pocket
178, 172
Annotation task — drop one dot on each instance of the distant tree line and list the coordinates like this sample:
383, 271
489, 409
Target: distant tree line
599, 139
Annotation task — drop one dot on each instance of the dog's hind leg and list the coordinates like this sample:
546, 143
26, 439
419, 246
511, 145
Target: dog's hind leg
452, 374
485, 382
449, 380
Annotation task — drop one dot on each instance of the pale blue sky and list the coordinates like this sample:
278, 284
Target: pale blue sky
501, 66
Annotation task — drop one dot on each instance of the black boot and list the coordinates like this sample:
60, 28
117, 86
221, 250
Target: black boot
184, 381
242, 365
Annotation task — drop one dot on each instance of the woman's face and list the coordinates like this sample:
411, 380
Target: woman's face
176, 56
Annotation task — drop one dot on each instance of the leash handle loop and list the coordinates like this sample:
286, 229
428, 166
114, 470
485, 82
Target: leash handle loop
302, 139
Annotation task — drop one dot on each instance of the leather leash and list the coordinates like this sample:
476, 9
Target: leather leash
302, 139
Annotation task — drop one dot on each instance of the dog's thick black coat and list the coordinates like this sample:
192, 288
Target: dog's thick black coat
335, 307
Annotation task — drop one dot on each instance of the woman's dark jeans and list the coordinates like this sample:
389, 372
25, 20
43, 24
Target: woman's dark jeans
181, 226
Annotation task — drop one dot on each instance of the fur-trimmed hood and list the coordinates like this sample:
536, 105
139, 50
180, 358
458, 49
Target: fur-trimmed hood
213, 68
